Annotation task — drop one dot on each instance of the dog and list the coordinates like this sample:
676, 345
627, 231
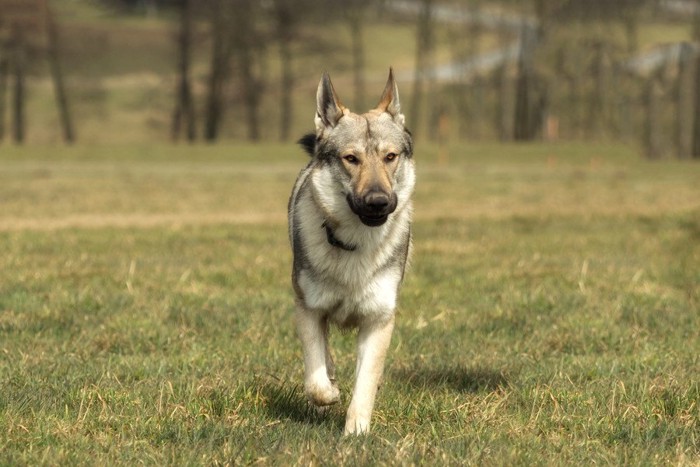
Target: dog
350, 215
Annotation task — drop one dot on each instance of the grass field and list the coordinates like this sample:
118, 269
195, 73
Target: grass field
551, 315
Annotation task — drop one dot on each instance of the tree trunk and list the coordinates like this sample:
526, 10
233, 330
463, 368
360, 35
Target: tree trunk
695, 150
184, 103
424, 50
218, 72
248, 50
252, 89
597, 118
504, 109
696, 122
214, 109
524, 125
522, 104
358, 57
652, 138
285, 14
18, 102
4, 73
684, 92
151, 8
247, 53
286, 87
58, 83
631, 24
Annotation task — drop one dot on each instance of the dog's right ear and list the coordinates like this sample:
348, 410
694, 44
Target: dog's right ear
389, 102
329, 110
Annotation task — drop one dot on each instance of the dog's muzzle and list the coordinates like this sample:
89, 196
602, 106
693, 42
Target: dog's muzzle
374, 207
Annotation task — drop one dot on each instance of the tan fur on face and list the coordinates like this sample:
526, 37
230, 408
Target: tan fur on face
372, 171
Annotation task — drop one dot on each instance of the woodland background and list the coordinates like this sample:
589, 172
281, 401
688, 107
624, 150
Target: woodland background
184, 70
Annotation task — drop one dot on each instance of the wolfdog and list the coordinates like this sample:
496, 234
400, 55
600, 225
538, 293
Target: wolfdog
350, 228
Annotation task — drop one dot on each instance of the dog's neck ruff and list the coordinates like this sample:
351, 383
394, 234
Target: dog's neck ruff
333, 240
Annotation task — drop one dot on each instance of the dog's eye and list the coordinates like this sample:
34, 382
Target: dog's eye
350, 159
390, 157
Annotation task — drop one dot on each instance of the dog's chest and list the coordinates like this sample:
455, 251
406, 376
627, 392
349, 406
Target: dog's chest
348, 297
348, 284
352, 283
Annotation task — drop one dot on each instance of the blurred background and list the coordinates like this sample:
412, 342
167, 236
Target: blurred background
138, 71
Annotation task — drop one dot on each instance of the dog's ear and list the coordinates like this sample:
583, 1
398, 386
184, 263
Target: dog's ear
329, 110
389, 102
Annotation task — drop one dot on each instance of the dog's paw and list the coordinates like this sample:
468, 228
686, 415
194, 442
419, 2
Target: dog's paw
319, 410
322, 395
356, 425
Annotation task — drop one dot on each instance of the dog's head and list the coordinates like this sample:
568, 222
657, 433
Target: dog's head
368, 154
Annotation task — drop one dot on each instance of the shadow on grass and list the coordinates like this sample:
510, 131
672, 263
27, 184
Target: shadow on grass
457, 378
286, 401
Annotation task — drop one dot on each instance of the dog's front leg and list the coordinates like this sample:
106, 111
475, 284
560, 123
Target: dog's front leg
373, 341
318, 365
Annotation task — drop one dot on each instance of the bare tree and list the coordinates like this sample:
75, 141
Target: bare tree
598, 103
18, 69
651, 135
236, 40
501, 80
526, 119
184, 112
248, 48
683, 90
466, 96
28, 31
696, 122
425, 45
219, 67
57, 78
287, 14
4, 74
356, 12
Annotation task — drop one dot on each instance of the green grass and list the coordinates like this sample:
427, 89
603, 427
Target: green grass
551, 315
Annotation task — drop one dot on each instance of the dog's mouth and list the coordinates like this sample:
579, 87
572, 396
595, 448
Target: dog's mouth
373, 221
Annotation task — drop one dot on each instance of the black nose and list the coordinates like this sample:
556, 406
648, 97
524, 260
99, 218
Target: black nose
374, 207
376, 201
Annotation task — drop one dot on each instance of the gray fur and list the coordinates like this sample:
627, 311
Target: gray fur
350, 231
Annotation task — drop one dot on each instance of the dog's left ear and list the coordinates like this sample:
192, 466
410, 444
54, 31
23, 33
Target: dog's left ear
389, 102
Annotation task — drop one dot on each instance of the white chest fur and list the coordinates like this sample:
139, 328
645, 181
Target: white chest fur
350, 285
